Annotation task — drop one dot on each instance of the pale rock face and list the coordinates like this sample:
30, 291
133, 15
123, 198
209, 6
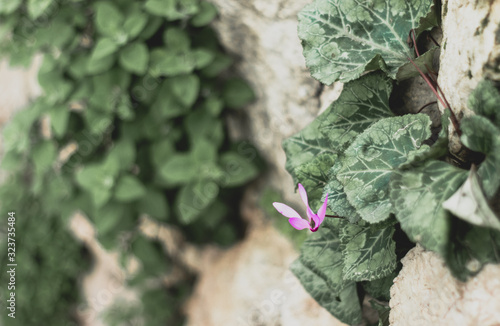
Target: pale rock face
250, 285
470, 51
425, 293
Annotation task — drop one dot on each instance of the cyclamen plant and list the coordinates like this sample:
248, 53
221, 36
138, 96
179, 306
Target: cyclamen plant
385, 174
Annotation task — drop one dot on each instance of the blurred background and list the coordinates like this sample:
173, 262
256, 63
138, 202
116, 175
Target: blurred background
141, 153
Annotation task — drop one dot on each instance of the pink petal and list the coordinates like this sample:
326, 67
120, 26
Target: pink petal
299, 223
303, 195
322, 210
286, 210
310, 213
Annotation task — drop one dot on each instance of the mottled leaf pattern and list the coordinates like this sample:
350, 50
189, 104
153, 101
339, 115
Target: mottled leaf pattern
484, 100
417, 196
481, 135
369, 162
368, 251
344, 306
321, 254
344, 38
313, 151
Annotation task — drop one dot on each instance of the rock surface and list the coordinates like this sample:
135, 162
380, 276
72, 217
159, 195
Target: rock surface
470, 51
425, 293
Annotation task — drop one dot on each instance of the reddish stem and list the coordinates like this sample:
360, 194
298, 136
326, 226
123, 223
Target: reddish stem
334, 216
423, 107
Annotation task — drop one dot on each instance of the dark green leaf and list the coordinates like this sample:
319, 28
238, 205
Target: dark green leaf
237, 169
177, 39
108, 19
98, 180
179, 169
103, 48
417, 196
186, 88
481, 135
194, 198
484, 100
237, 93
408, 70
380, 289
343, 39
172, 9
369, 162
154, 204
171, 63
368, 251
37, 7
59, 116
135, 23
134, 58
8, 7
344, 306
129, 188
205, 15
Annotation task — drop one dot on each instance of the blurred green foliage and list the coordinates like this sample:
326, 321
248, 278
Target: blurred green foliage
131, 122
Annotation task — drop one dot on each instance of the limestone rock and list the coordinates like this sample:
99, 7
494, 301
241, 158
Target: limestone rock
251, 285
470, 51
425, 293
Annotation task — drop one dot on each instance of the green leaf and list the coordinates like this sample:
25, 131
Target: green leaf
408, 70
108, 19
322, 254
123, 153
484, 101
369, 162
179, 169
361, 103
171, 63
186, 88
134, 58
200, 125
202, 57
337, 199
470, 248
313, 177
129, 188
194, 198
177, 39
383, 311
59, 116
37, 7
343, 39
108, 217
470, 204
154, 204
205, 15
103, 48
380, 288
43, 156
219, 63
237, 93
344, 306
167, 104
134, 24
150, 254
172, 9
368, 251
238, 170
8, 7
417, 196
481, 135
95, 67
98, 179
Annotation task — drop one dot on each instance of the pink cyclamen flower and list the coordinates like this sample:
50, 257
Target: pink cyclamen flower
296, 220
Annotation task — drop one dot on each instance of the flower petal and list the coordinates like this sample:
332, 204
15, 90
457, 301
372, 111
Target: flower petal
303, 195
322, 210
286, 210
299, 223
310, 213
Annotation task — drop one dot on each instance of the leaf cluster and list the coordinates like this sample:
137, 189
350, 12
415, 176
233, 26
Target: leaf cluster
382, 173
130, 123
